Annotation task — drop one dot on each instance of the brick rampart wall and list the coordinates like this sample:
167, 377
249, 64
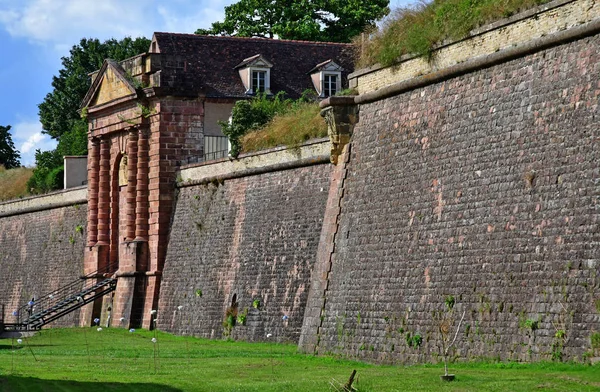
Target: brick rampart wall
482, 190
254, 237
41, 250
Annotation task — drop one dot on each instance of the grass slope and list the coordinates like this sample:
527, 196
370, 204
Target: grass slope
123, 361
13, 182
418, 28
294, 127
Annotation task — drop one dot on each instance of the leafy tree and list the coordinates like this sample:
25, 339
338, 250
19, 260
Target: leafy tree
59, 110
312, 20
9, 155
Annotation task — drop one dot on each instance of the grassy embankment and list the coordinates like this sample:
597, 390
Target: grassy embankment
294, 127
13, 182
419, 28
123, 361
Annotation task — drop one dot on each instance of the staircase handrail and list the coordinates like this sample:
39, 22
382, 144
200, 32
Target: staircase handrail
48, 300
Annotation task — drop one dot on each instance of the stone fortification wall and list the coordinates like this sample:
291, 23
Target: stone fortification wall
245, 232
482, 191
41, 247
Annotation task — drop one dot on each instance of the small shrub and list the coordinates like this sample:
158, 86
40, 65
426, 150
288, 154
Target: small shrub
250, 115
414, 341
531, 324
417, 340
595, 341
301, 123
241, 318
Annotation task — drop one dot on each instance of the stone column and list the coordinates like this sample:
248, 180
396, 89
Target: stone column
141, 210
93, 173
104, 194
132, 161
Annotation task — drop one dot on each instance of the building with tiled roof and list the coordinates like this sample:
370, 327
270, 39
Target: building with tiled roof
222, 70
151, 113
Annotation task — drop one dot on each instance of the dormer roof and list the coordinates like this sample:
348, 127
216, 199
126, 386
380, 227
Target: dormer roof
327, 65
255, 61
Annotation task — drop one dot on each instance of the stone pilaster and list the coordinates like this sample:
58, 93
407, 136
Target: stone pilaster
93, 174
141, 210
104, 193
132, 151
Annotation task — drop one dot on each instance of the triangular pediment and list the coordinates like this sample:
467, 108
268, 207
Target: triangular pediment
327, 66
257, 61
110, 84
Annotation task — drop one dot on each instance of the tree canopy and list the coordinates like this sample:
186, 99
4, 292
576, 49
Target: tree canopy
9, 155
309, 20
59, 110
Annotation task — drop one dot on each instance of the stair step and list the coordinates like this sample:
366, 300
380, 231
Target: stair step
66, 305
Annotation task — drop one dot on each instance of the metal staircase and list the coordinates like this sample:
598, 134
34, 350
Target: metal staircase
54, 305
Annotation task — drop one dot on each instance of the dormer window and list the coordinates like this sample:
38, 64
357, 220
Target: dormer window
330, 84
259, 79
255, 73
327, 78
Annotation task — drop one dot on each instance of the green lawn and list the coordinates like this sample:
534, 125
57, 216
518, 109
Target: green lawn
123, 361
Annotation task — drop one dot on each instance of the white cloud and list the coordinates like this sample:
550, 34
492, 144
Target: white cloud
175, 21
32, 142
28, 137
63, 23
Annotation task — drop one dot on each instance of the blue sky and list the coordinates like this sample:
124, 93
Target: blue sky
35, 34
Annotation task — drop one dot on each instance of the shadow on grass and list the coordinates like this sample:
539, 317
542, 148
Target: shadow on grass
14, 383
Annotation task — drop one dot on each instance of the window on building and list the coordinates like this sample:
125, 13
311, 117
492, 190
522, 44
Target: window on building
327, 78
330, 83
259, 81
255, 72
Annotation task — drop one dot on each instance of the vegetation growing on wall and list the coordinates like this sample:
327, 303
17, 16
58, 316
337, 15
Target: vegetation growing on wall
265, 122
417, 29
301, 123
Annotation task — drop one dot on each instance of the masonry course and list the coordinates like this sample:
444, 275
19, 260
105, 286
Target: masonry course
239, 241
40, 252
483, 187
478, 188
